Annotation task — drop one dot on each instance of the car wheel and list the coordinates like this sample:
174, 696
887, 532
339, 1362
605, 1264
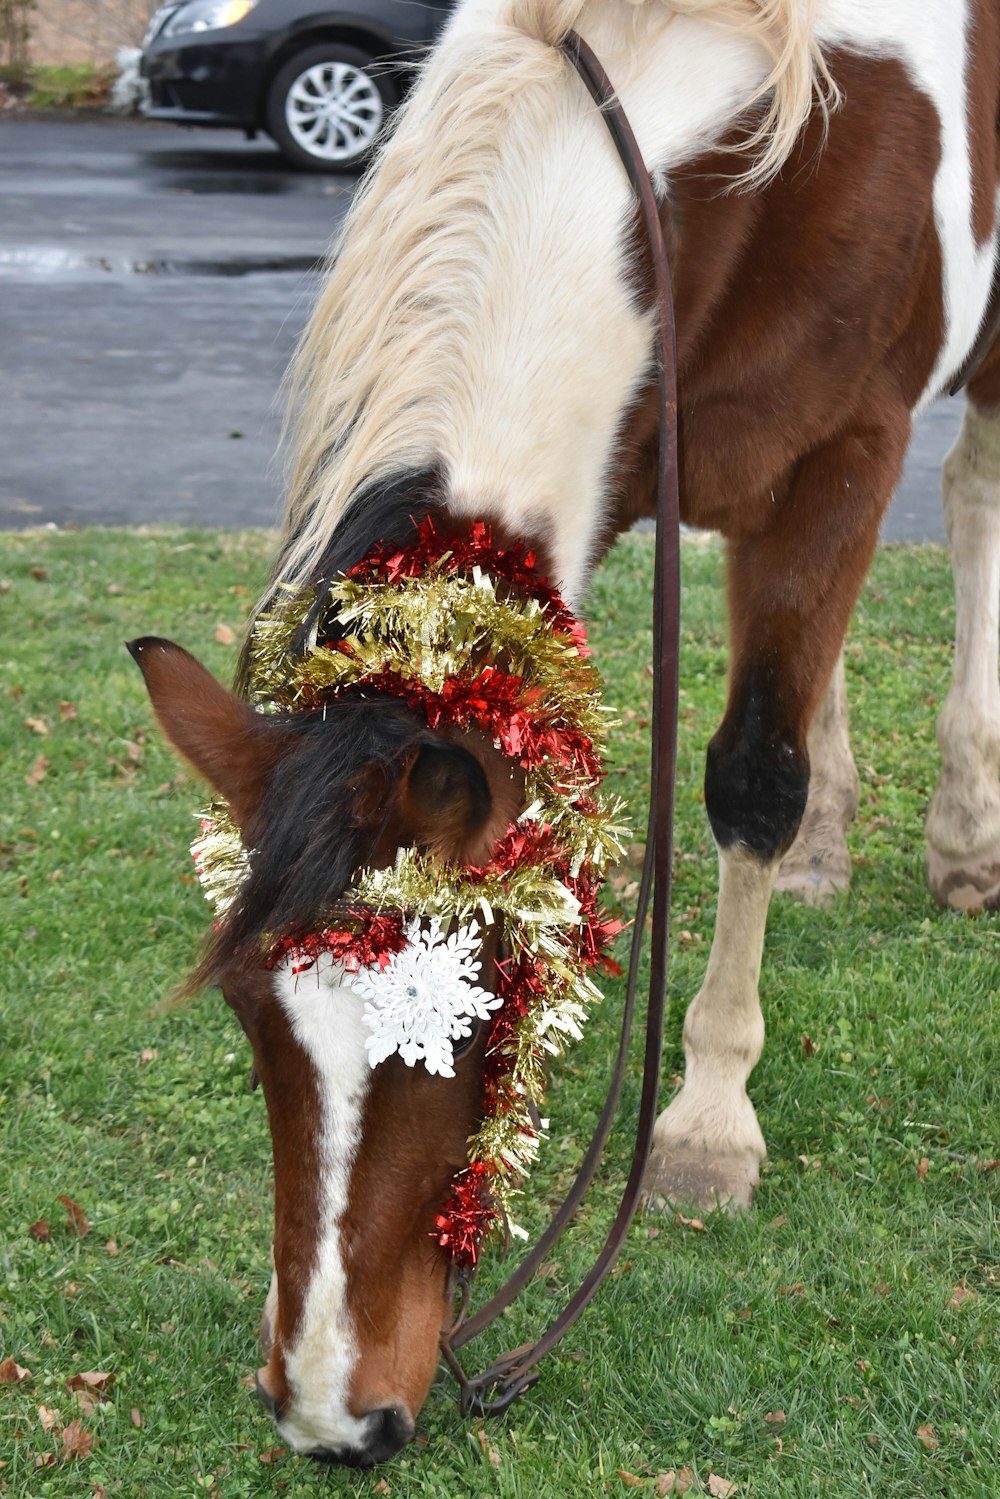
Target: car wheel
326, 106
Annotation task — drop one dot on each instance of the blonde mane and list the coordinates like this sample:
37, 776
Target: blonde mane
368, 386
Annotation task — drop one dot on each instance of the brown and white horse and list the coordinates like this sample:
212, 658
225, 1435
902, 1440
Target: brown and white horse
482, 350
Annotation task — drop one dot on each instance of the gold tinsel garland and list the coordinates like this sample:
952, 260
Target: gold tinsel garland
430, 632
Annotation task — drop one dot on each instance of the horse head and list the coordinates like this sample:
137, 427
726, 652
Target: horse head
364, 1156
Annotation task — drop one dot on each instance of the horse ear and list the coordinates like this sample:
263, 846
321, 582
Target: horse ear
229, 744
458, 799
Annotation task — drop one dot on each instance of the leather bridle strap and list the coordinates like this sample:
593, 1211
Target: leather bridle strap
493, 1391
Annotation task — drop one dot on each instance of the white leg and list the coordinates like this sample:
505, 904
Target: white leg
963, 823
708, 1147
818, 864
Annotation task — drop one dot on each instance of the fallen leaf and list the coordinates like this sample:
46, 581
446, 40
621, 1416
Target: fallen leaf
272, 1454
76, 1219
47, 1417
490, 1453
630, 1480
990, 1165
720, 1487
776, 1418
691, 1222
37, 771
76, 1442
927, 1437
224, 634
4, 585
922, 1169
115, 588
40, 1231
960, 1294
382, 1487
66, 711
808, 1046
674, 1482
148, 1054
45, 1460
36, 725
39, 574
12, 1373
112, 1248
777, 1222
798, 1289
97, 1380
137, 1420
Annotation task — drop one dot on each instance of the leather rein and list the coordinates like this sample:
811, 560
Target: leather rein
493, 1391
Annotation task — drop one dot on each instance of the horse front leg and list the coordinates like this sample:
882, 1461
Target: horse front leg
963, 822
791, 592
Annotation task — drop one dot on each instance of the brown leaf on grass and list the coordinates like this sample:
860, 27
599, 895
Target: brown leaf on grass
808, 1046
37, 771
76, 1442
66, 711
923, 1167
630, 1480
13, 1373
111, 1248
273, 1454
961, 1294
36, 725
4, 585
927, 1437
673, 1481
148, 1054
776, 1418
136, 1416
76, 1219
798, 1289
39, 574
97, 1380
691, 1223
223, 634
721, 1488
47, 1417
986, 1166
45, 1460
490, 1453
41, 1231
382, 1487
778, 1222
115, 588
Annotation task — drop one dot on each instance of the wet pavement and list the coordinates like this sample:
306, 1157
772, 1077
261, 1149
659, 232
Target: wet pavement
153, 282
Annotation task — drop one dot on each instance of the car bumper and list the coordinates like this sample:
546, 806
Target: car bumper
204, 82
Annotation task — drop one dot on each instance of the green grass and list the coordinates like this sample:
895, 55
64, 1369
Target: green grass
833, 1302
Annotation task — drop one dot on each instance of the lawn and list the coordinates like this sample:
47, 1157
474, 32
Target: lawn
842, 1340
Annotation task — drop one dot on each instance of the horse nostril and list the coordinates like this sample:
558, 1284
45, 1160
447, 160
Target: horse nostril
391, 1428
268, 1401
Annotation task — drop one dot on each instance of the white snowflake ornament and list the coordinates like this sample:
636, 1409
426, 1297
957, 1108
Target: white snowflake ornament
426, 998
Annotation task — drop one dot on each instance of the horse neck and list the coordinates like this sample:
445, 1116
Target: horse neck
483, 319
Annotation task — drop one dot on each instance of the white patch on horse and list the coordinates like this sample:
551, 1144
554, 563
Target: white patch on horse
326, 1021
932, 41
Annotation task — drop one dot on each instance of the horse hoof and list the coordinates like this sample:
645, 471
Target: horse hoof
692, 1178
969, 883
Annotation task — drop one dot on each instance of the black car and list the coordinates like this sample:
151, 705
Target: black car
318, 76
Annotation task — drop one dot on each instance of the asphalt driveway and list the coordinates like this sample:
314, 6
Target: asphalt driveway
152, 284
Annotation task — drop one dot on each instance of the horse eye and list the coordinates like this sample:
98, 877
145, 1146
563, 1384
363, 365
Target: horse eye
466, 1043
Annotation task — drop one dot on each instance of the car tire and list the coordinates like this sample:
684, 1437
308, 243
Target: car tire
326, 106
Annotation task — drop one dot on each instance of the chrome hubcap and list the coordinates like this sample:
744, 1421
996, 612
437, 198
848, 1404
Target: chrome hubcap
333, 111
